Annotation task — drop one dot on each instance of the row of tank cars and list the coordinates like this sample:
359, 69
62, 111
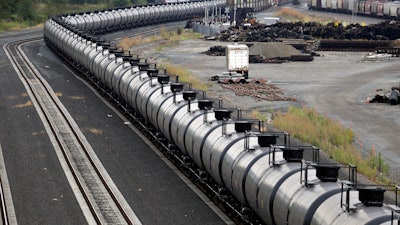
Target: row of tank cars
124, 18
377, 8
273, 181
256, 5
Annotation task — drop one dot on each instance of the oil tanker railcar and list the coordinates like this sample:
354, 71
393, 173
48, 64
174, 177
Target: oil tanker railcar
273, 181
376, 8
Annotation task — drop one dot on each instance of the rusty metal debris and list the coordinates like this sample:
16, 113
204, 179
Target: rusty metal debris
259, 90
391, 97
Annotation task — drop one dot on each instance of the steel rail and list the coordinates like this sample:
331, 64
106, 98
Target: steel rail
4, 213
74, 149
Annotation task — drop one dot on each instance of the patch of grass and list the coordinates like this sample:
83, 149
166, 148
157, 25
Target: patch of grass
127, 43
294, 15
184, 75
262, 116
259, 115
290, 13
397, 42
11, 26
168, 39
164, 39
332, 138
172, 38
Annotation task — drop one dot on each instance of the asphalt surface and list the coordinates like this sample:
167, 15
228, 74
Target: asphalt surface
41, 194
39, 188
337, 84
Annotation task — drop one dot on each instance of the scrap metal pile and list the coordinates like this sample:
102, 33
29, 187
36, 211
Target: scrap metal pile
258, 89
391, 97
388, 30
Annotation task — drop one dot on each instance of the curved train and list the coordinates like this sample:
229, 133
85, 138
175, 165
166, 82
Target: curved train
273, 181
376, 8
124, 18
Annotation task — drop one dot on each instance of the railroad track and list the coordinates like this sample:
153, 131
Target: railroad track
7, 213
97, 195
3, 214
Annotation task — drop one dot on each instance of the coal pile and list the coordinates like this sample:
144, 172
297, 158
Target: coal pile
388, 30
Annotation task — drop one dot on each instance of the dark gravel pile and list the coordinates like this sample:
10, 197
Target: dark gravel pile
273, 50
267, 52
217, 50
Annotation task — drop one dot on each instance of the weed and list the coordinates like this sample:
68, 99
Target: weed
184, 76
165, 38
292, 14
332, 138
168, 39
